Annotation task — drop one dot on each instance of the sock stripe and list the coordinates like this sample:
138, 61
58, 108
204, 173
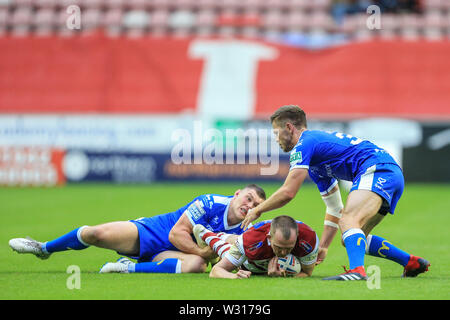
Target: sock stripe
79, 236
223, 249
351, 232
369, 239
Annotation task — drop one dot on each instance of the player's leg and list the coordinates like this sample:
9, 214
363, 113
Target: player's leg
119, 236
220, 242
380, 247
43, 250
361, 207
165, 262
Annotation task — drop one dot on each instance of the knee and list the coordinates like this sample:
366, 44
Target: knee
94, 235
193, 264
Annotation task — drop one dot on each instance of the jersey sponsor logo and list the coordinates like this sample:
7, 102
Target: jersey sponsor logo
255, 246
296, 157
215, 220
379, 185
196, 210
381, 180
210, 201
306, 246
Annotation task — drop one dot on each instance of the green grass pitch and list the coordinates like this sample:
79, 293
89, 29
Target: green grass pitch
420, 226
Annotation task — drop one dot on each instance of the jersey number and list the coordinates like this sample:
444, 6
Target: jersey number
349, 136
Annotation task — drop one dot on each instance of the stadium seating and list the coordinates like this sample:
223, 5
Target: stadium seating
209, 17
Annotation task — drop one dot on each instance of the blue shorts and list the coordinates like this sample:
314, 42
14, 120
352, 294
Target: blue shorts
386, 180
154, 235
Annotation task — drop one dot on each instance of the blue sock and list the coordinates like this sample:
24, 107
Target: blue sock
379, 247
69, 241
355, 244
171, 265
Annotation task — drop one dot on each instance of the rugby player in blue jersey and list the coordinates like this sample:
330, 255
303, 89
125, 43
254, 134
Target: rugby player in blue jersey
331, 156
160, 244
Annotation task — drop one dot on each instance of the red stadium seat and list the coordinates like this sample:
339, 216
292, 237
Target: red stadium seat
205, 18
320, 5
4, 17
113, 18
207, 4
114, 4
275, 4
137, 4
22, 3
253, 4
433, 4
159, 18
185, 4
434, 19
46, 3
298, 4
320, 20
230, 4
91, 19
63, 4
389, 21
44, 18
22, 17
160, 4
273, 19
296, 19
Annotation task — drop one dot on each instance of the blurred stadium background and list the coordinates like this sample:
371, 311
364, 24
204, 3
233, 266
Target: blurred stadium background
104, 90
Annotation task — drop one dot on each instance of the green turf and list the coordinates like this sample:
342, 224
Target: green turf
420, 226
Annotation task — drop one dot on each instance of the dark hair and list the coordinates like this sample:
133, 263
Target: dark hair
290, 113
259, 191
285, 224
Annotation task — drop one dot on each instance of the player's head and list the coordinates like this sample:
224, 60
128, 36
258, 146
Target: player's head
286, 122
246, 199
283, 235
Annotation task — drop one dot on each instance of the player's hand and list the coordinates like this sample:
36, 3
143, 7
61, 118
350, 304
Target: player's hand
274, 270
321, 255
252, 215
207, 253
243, 274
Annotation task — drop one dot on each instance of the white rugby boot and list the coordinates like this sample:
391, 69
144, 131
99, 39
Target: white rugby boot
198, 231
120, 266
28, 245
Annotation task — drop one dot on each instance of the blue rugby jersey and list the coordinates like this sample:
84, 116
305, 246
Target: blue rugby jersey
329, 156
210, 210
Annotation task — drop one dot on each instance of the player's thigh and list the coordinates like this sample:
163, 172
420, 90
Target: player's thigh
121, 236
361, 206
189, 262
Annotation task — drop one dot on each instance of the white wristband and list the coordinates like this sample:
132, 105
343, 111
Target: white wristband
331, 224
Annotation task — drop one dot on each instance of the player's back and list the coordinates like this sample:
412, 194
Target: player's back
337, 155
256, 246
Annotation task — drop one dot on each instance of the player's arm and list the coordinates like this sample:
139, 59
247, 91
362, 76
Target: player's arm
334, 207
180, 237
279, 198
232, 260
306, 271
224, 269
